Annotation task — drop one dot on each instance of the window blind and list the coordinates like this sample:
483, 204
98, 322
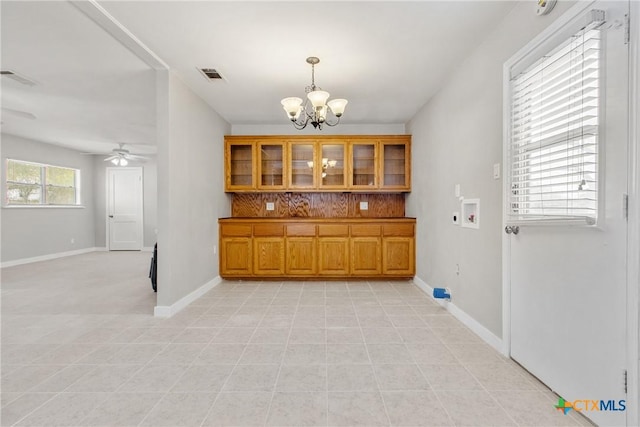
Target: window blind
555, 118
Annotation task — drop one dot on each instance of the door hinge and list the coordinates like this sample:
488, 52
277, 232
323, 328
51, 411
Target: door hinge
624, 379
627, 29
625, 206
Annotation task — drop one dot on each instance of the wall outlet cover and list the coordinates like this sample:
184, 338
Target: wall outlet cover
271, 206
364, 206
496, 171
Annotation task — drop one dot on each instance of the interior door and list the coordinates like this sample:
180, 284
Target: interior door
568, 283
124, 208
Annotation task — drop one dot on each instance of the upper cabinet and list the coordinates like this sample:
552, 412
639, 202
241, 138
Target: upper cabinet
272, 165
395, 165
240, 165
308, 164
363, 158
331, 165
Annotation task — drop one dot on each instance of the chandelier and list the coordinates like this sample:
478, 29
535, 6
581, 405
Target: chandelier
315, 107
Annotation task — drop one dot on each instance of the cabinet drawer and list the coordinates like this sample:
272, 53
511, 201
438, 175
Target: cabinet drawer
301, 230
363, 230
333, 230
399, 229
268, 230
235, 230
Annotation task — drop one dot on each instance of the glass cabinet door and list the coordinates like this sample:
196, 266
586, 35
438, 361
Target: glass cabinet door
363, 165
271, 165
240, 159
331, 165
396, 172
302, 164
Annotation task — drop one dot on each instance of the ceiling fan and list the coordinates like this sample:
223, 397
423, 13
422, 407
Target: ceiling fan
121, 156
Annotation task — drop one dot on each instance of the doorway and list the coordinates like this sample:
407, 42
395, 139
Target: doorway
565, 280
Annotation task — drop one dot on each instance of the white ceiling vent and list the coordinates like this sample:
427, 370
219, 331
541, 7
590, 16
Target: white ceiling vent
17, 77
210, 73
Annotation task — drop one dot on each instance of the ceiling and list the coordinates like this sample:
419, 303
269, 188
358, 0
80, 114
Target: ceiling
386, 58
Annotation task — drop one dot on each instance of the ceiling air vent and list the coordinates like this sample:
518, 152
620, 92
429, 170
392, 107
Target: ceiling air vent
210, 73
17, 77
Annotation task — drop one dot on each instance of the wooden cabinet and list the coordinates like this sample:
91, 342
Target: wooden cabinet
322, 163
240, 165
398, 248
235, 250
302, 160
331, 166
395, 165
315, 248
363, 159
272, 165
366, 250
301, 253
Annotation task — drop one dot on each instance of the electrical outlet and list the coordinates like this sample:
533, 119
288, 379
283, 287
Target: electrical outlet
215, 249
496, 171
364, 206
271, 206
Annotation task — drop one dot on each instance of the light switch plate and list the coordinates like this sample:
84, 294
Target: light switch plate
364, 206
270, 206
496, 171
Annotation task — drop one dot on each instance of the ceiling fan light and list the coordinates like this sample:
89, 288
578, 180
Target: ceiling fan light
337, 106
318, 98
292, 106
115, 161
123, 162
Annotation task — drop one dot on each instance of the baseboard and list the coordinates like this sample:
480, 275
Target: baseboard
170, 310
147, 249
482, 332
47, 257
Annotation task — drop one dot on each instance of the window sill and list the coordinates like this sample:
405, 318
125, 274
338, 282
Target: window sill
43, 207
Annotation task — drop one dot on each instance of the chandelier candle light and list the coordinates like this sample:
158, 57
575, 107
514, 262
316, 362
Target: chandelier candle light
315, 107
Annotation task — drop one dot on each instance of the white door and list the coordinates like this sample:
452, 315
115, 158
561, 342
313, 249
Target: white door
124, 208
568, 283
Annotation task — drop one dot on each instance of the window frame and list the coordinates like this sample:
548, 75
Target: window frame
43, 186
545, 43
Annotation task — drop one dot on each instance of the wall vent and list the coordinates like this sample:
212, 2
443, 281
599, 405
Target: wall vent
210, 73
17, 77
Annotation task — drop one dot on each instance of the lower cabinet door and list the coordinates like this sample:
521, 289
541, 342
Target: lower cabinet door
301, 256
398, 257
365, 256
268, 256
333, 256
235, 256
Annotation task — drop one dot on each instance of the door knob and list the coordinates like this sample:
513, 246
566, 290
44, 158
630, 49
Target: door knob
110, 216
512, 229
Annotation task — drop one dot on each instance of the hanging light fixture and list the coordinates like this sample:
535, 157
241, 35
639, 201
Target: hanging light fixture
120, 161
315, 107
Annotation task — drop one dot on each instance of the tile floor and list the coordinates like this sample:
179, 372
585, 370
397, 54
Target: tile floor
81, 348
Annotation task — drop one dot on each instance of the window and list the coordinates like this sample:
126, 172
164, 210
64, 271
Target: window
38, 184
554, 127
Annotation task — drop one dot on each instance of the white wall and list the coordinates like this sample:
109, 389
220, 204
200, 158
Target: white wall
457, 137
342, 129
39, 231
150, 195
190, 189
